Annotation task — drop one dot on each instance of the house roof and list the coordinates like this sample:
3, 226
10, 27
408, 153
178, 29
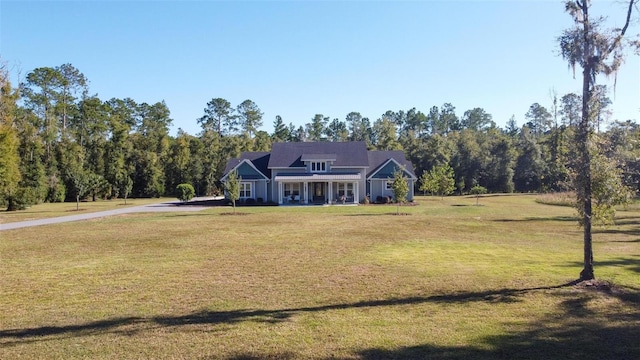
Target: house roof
346, 154
291, 154
317, 157
259, 159
377, 159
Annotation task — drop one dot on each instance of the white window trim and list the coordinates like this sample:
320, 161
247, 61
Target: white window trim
243, 189
319, 166
388, 185
290, 189
345, 189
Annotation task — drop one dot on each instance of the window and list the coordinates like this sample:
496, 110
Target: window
245, 190
318, 166
291, 189
345, 189
388, 185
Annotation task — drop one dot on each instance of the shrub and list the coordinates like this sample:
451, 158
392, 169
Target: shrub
383, 199
23, 198
185, 192
250, 201
56, 192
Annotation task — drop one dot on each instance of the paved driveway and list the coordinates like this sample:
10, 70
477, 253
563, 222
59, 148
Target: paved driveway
170, 206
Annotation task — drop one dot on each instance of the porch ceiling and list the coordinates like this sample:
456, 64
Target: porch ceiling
318, 177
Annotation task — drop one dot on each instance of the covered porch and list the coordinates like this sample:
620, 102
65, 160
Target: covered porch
318, 189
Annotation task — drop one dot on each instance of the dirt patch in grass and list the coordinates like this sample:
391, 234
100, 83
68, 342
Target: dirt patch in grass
600, 286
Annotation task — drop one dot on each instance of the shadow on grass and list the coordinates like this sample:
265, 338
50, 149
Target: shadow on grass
577, 332
381, 214
548, 218
131, 325
630, 232
579, 339
632, 263
361, 215
629, 263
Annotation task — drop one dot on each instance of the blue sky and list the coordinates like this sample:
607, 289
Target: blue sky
300, 58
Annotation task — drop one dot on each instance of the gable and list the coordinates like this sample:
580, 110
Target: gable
384, 163
386, 171
248, 172
250, 165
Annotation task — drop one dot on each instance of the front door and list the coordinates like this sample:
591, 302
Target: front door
318, 193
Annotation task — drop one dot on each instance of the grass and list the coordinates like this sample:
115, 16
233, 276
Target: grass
558, 198
49, 210
451, 280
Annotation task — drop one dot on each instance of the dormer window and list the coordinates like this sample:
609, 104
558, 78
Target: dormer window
318, 166
318, 163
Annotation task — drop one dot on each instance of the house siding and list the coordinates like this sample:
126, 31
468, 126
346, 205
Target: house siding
245, 171
290, 163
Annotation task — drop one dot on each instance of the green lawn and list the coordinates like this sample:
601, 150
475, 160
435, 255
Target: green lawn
450, 280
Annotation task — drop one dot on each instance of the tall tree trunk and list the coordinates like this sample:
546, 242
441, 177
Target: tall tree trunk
585, 183
584, 175
12, 204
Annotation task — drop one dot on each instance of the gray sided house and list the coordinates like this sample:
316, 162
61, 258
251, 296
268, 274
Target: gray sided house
304, 173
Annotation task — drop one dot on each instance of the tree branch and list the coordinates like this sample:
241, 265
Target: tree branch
616, 42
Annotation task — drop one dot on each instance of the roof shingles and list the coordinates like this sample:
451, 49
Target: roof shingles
346, 154
285, 155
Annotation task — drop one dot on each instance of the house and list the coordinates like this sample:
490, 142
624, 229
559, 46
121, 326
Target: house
318, 173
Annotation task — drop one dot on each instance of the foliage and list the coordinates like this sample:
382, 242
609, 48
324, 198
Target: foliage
477, 191
607, 191
384, 134
9, 144
539, 119
316, 129
124, 185
232, 187
400, 187
56, 190
439, 180
219, 117
185, 192
530, 167
122, 143
81, 182
249, 117
596, 51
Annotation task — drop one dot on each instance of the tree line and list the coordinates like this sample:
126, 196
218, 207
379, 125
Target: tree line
58, 142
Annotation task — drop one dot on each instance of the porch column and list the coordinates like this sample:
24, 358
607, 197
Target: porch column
279, 194
306, 192
330, 192
356, 193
